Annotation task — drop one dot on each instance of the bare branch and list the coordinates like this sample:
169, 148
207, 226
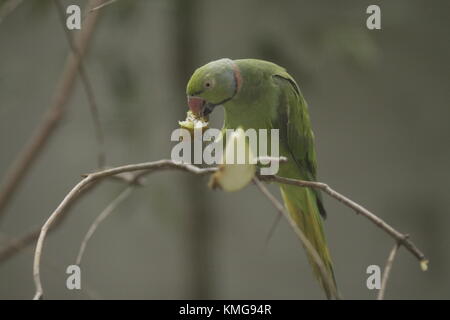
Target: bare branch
147, 167
309, 247
387, 270
399, 237
103, 215
273, 227
142, 169
107, 3
87, 86
37, 141
17, 244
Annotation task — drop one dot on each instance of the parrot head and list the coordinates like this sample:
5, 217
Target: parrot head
211, 85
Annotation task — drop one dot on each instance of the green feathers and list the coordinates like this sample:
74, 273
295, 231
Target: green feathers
262, 95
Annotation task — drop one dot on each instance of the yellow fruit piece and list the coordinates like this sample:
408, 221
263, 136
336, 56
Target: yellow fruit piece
234, 176
193, 122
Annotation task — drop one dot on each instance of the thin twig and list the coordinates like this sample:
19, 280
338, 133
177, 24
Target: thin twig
387, 270
103, 5
273, 227
400, 237
87, 86
102, 216
15, 245
309, 247
279, 215
38, 140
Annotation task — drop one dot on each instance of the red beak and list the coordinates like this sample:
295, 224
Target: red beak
196, 105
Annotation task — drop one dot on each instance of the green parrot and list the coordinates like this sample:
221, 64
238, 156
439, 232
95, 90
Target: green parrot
262, 95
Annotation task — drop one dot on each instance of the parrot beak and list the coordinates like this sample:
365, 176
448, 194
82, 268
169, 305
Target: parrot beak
196, 105
199, 106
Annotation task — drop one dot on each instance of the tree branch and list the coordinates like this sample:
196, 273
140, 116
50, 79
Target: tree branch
142, 169
87, 86
387, 270
37, 141
399, 237
102, 216
107, 3
147, 167
309, 247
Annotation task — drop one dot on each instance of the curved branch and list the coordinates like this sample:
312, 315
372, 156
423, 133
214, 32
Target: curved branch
398, 236
147, 167
142, 169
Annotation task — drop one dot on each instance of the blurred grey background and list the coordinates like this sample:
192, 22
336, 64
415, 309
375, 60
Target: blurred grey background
379, 103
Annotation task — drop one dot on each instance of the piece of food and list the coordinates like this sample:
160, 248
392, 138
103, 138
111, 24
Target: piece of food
193, 122
234, 174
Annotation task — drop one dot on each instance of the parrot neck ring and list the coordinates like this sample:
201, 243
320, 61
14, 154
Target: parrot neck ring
203, 108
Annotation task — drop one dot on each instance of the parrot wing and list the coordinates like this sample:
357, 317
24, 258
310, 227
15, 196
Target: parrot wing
295, 126
304, 204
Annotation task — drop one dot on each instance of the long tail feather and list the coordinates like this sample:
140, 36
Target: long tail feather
303, 208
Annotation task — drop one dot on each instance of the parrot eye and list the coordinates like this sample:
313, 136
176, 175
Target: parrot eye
208, 84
